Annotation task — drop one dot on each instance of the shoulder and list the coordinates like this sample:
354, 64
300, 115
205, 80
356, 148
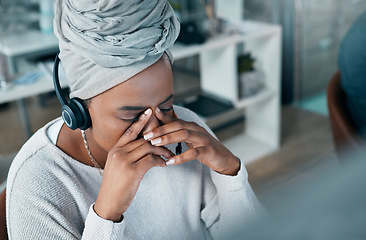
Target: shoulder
32, 149
42, 191
39, 182
354, 40
358, 28
352, 57
35, 163
185, 114
32, 169
190, 116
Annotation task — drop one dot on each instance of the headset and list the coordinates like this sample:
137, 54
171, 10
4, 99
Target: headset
74, 113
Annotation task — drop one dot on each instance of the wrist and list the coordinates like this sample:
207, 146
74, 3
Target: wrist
107, 214
233, 168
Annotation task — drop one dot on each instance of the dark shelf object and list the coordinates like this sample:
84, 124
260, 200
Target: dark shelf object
207, 106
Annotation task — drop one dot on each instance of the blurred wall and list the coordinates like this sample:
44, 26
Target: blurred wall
313, 30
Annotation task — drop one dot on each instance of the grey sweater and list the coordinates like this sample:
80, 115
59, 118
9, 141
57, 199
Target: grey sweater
51, 195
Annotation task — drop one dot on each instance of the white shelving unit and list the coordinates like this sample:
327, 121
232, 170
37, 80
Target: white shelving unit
218, 69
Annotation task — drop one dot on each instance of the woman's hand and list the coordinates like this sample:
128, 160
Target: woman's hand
202, 145
126, 165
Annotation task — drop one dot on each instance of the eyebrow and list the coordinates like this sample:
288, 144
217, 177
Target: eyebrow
140, 108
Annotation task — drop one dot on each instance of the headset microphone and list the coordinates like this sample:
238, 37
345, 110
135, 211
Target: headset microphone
74, 113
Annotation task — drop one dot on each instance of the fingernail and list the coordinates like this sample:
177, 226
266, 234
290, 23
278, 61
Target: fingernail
147, 111
156, 141
148, 135
170, 162
157, 110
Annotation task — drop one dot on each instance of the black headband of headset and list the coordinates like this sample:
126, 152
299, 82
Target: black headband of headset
74, 113
56, 81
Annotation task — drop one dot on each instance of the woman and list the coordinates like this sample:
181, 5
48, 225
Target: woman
121, 177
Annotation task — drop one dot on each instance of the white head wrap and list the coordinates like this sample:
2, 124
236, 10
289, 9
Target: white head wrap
104, 43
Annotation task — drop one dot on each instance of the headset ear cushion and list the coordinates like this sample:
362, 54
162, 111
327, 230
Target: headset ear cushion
76, 115
68, 115
83, 117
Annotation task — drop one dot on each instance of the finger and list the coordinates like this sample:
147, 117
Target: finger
134, 130
164, 118
129, 147
172, 127
121, 152
148, 162
184, 135
189, 155
147, 149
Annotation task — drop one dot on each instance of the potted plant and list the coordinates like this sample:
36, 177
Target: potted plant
249, 82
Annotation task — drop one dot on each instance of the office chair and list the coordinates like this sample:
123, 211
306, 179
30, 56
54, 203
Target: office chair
3, 231
345, 137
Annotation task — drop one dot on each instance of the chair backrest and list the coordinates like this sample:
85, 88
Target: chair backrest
3, 231
345, 137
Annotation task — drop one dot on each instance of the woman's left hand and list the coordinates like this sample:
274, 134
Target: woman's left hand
201, 144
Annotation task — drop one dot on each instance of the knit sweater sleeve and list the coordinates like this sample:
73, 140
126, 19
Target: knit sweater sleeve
231, 206
99, 228
46, 202
228, 201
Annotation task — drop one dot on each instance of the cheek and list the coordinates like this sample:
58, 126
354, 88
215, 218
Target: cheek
107, 131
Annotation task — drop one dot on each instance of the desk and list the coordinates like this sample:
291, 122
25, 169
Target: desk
26, 44
15, 92
30, 43
218, 74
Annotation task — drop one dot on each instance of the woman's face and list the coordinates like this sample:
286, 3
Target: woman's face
113, 111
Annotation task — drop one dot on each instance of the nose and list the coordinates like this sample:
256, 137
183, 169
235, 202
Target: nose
151, 124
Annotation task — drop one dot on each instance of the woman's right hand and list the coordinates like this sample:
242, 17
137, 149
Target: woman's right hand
127, 163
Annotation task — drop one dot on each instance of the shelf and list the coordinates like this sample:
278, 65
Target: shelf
236, 111
263, 95
14, 45
224, 118
244, 31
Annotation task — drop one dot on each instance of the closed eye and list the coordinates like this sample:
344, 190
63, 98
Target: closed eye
137, 117
166, 109
130, 119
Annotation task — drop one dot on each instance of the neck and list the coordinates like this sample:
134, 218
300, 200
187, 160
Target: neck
99, 154
72, 143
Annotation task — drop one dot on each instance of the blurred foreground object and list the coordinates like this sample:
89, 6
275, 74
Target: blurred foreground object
330, 204
352, 65
345, 137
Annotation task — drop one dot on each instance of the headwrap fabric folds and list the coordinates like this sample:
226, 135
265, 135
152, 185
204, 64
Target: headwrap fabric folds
103, 43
